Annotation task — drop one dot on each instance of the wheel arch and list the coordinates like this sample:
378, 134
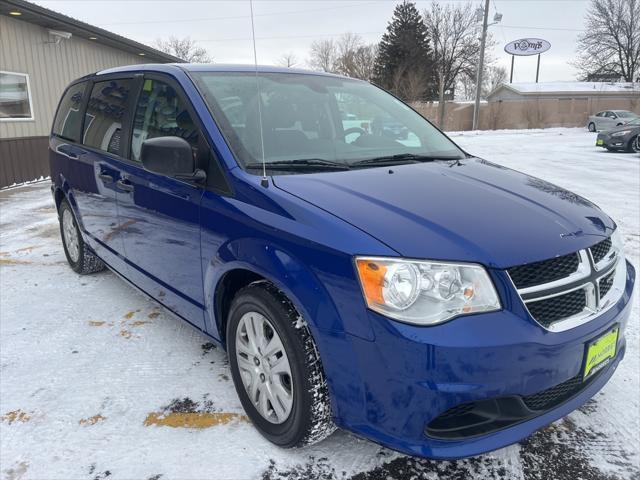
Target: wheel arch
245, 261
58, 196
63, 191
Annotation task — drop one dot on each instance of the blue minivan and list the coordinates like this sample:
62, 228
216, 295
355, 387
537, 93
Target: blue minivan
391, 285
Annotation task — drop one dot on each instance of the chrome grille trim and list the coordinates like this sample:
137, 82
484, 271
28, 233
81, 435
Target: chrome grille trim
587, 277
582, 272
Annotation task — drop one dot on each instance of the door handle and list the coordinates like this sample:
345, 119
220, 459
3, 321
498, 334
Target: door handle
105, 177
64, 150
125, 185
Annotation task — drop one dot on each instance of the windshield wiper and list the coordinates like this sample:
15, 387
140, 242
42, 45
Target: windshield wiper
302, 164
402, 158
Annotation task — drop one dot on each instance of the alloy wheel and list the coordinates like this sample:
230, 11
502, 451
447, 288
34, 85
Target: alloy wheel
70, 233
264, 367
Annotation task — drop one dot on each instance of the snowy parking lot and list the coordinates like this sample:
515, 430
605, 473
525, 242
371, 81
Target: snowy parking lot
98, 382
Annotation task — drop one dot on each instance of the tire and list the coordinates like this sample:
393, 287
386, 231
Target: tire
308, 419
80, 258
634, 145
592, 127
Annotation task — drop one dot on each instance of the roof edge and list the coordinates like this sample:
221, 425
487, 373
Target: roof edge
101, 34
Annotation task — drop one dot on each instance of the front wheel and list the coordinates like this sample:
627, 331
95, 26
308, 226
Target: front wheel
276, 368
634, 144
80, 258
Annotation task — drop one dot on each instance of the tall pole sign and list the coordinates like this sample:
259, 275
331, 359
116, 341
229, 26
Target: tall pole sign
525, 47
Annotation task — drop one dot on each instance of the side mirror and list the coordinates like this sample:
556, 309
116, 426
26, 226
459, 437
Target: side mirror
170, 156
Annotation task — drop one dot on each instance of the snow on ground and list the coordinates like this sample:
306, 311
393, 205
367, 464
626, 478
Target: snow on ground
97, 381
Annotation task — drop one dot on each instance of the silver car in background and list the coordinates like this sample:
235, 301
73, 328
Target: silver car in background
608, 119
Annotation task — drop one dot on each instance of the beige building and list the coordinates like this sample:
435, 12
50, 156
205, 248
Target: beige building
41, 51
539, 105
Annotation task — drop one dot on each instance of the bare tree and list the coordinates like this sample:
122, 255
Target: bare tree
324, 54
465, 87
288, 60
355, 58
493, 77
611, 42
184, 48
453, 33
409, 83
348, 55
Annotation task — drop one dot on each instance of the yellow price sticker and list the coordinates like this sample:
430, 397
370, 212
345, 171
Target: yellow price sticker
599, 352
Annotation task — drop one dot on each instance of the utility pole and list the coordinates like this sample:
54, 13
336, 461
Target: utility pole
483, 40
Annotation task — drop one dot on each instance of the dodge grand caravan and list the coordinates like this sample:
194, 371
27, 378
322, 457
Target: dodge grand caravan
391, 285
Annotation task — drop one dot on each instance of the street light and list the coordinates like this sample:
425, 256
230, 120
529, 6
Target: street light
483, 39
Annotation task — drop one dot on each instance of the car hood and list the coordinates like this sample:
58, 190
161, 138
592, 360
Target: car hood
626, 126
468, 210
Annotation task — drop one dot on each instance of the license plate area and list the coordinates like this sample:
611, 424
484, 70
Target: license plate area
599, 142
600, 352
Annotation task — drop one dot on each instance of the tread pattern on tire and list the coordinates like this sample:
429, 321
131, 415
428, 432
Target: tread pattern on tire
321, 425
91, 263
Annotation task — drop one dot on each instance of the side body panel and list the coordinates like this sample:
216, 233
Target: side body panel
161, 228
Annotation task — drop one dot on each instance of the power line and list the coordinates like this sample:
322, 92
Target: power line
235, 17
319, 35
495, 8
283, 37
560, 29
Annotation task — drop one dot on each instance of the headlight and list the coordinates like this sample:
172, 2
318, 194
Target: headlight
620, 134
617, 242
425, 292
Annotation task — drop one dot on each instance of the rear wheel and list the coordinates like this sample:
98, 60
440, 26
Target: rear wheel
592, 127
80, 259
276, 368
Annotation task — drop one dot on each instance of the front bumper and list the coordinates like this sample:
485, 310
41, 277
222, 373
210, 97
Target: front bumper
607, 141
409, 375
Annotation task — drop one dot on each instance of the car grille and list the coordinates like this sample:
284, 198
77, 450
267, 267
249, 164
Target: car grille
458, 410
600, 250
550, 310
563, 292
492, 414
553, 396
605, 284
537, 273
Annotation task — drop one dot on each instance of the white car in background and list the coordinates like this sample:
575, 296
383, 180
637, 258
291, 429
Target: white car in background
608, 119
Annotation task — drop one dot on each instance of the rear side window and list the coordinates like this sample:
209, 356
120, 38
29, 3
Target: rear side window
161, 113
105, 115
68, 121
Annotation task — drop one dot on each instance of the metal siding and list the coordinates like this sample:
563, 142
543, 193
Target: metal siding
50, 67
32, 155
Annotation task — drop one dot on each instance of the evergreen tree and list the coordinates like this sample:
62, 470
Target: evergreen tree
404, 61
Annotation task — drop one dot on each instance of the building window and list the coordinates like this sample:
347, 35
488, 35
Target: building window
15, 97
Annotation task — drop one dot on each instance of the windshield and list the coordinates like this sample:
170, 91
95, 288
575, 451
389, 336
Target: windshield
318, 118
625, 114
635, 121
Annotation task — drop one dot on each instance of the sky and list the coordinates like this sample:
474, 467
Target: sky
283, 26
